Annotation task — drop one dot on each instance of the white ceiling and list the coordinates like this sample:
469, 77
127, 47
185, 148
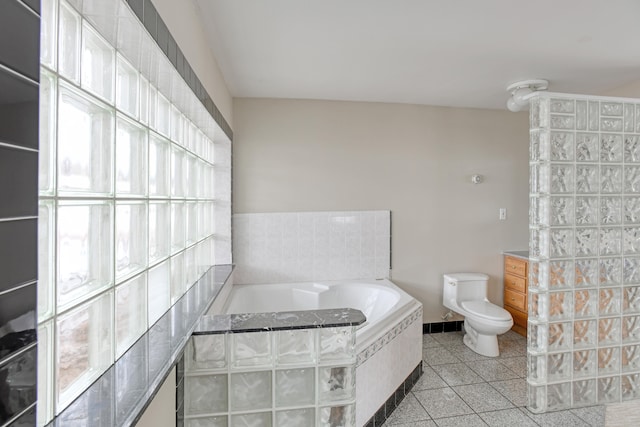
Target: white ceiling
460, 53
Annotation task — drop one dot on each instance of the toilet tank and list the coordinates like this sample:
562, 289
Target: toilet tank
465, 286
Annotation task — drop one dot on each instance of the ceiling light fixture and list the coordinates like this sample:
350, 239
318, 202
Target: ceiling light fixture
521, 92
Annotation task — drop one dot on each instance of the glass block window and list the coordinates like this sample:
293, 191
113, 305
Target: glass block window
132, 206
584, 277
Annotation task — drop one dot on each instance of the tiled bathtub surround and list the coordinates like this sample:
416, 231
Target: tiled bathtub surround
281, 376
127, 186
584, 282
306, 246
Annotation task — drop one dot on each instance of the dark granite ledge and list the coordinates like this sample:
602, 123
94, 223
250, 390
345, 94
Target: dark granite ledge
123, 392
286, 320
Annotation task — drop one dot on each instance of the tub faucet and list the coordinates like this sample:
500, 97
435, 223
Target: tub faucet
447, 315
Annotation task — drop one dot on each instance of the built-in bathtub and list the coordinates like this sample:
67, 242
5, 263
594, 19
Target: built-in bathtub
388, 344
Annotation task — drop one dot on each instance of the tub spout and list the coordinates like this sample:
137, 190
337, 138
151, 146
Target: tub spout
448, 315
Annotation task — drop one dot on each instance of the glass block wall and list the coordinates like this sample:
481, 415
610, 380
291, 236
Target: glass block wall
584, 288
131, 204
289, 378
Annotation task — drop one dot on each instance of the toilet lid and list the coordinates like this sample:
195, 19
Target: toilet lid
486, 310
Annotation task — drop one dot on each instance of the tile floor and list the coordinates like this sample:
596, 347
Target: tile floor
462, 388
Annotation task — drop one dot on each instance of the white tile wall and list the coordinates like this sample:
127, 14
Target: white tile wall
307, 246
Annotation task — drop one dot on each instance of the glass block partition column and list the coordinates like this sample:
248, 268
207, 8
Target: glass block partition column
127, 185
584, 288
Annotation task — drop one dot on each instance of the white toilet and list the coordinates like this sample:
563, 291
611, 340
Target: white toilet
466, 294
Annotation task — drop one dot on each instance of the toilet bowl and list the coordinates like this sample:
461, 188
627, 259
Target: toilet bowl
466, 294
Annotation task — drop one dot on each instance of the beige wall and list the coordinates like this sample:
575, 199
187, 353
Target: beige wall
183, 21
417, 161
631, 90
161, 412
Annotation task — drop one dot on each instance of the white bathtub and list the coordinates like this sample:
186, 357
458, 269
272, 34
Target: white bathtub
388, 344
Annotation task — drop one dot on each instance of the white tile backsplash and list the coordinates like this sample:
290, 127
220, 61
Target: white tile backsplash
306, 246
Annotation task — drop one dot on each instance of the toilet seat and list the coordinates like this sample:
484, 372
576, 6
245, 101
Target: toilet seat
486, 310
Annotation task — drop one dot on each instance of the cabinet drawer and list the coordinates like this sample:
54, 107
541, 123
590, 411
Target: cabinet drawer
515, 300
515, 266
516, 283
519, 318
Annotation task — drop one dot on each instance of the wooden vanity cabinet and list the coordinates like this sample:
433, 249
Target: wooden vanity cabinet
516, 272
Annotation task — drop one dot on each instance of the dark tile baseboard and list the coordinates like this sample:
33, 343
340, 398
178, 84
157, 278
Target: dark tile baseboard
439, 327
394, 400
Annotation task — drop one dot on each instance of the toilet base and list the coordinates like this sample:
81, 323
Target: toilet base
486, 345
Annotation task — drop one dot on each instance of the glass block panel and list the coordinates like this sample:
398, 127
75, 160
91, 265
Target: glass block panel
632, 179
296, 417
159, 231
608, 124
219, 421
539, 146
610, 179
159, 291
98, 64
539, 178
632, 148
131, 312
608, 331
47, 134
594, 116
586, 210
610, 210
611, 108
205, 394
631, 206
295, 387
584, 392
560, 305
584, 333
587, 145
562, 179
296, 346
584, 363
631, 270
630, 358
587, 179
85, 144
562, 122
630, 329
581, 115
610, 241
176, 126
153, 107
131, 239
250, 390
144, 100
561, 242
610, 271
251, 349
587, 273
84, 251
611, 148
637, 118
629, 125
608, 390
337, 416
337, 344
537, 397
536, 368
539, 210
558, 396
562, 211
609, 301
586, 303
45, 372
206, 352
562, 146
631, 300
178, 161
69, 43
177, 226
190, 171
262, 419
127, 87
131, 158
163, 115
538, 306
84, 347
49, 33
561, 274
608, 360
538, 275
586, 242
178, 278
159, 166
191, 223
46, 260
560, 336
537, 337
629, 388
563, 106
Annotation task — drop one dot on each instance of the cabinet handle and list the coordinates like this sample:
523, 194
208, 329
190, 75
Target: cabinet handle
513, 299
513, 266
